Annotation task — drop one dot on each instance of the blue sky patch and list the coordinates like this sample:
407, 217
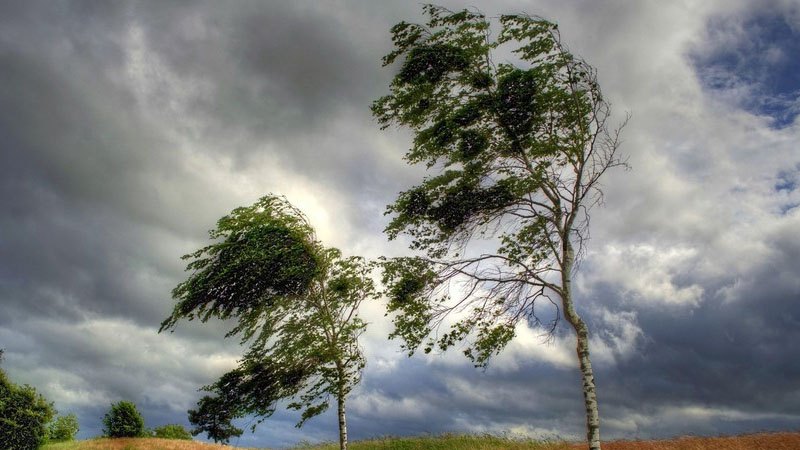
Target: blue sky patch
788, 179
754, 61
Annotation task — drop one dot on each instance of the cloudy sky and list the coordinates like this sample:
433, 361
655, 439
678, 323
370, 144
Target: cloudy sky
128, 129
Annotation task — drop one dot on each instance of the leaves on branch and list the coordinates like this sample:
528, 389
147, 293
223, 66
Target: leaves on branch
267, 252
295, 301
517, 147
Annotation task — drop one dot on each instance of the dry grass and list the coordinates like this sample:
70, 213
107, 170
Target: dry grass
760, 441
136, 444
449, 442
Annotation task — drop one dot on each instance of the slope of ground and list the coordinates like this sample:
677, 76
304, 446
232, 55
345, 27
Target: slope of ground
135, 444
761, 441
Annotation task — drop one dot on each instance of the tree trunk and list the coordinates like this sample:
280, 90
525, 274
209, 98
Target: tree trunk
342, 425
582, 332
340, 400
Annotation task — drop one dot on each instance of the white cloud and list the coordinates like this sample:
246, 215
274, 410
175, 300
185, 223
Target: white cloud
645, 272
377, 404
617, 336
532, 346
123, 352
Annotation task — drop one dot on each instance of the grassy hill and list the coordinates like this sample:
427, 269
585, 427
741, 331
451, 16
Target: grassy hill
135, 444
761, 441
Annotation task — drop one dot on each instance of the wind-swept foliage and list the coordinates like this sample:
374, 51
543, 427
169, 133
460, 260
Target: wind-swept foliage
264, 253
517, 150
295, 302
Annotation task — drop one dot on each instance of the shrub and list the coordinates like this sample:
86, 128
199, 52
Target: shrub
23, 415
172, 431
123, 420
64, 428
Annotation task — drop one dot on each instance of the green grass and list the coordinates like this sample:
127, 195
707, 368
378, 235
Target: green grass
66, 445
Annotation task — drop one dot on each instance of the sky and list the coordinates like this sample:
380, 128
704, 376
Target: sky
128, 128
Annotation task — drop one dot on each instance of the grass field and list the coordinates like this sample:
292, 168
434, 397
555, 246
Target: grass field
763, 441
135, 444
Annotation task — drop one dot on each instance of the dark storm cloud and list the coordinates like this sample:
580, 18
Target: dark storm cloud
278, 75
87, 233
85, 171
98, 202
727, 354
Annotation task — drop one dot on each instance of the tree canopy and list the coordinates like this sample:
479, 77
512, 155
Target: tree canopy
24, 415
123, 420
214, 416
295, 301
517, 149
64, 428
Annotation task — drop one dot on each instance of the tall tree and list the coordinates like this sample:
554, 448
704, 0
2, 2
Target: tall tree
519, 149
296, 303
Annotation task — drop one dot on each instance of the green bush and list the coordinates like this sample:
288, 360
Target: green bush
172, 431
23, 415
123, 420
64, 428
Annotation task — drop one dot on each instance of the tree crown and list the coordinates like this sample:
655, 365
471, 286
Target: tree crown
518, 148
24, 414
296, 303
123, 420
265, 253
64, 428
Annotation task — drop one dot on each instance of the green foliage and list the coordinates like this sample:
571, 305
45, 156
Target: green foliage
172, 431
264, 253
64, 428
517, 148
23, 415
406, 279
214, 416
296, 304
123, 420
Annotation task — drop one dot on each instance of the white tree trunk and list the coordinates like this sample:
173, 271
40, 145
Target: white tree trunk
582, 332
342, 424
340, 397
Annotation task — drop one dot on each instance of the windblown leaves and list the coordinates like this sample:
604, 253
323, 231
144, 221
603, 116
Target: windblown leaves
267, 252
408, 282
295, 301
510, 145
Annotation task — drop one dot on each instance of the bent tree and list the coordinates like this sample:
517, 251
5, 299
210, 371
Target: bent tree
296, 303
518, 150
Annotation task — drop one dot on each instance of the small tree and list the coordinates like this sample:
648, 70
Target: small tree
172, 431
520, 151
295, 300
64, 428
214, 417
24, 415
123, 420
